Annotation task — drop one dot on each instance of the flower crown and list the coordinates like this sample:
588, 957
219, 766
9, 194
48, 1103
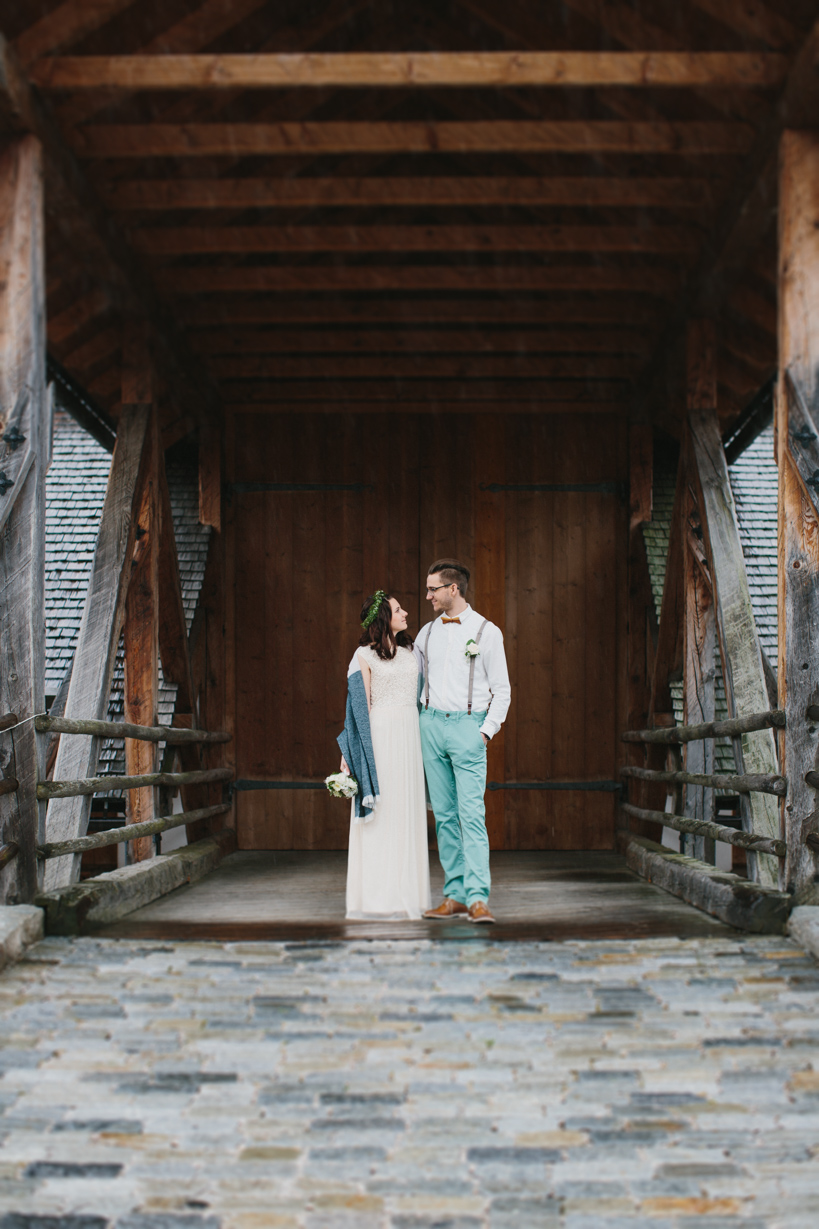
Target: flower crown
372, 613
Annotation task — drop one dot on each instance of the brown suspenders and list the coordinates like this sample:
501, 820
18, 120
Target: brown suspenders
471, 667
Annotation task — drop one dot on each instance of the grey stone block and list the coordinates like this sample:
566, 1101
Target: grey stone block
20, 926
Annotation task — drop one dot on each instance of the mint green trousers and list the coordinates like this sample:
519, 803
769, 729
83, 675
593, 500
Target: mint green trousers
455, 764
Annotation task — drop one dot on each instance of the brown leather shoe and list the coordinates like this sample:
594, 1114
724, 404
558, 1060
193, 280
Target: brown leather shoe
447, 909
479, 912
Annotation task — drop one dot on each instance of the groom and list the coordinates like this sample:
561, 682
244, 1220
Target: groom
465, 700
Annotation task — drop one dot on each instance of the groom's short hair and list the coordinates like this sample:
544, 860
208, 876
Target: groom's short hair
451, 572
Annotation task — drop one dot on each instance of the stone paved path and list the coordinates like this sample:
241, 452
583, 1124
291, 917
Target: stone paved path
459, 1085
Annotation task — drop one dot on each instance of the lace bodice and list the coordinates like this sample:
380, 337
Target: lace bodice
393, 682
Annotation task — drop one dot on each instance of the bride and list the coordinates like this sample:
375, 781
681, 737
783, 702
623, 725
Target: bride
388, 864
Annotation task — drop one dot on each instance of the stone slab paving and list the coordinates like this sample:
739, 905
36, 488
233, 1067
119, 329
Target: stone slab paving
417, 1085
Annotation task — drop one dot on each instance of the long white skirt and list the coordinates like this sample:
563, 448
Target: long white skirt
388, 864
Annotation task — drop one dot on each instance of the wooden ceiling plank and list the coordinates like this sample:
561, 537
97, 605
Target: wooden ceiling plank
352, 313
433, 405
422, 366
66, 24
664, 283
752, 19
465, 69
217, 341
497, 136
186, 240
581, 392
314, 193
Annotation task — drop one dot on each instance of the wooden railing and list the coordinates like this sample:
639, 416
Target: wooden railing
106, 784
129, 832
747, 783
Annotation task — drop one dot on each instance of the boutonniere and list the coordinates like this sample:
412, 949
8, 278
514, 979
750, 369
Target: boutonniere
471, 649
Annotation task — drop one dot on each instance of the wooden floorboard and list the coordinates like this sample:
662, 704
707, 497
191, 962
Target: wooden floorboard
299, 896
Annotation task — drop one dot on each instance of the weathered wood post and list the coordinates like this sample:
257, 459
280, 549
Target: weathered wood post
24, 452
640, 647
102, 620
699, 637
740, 651
797, 446
141, 629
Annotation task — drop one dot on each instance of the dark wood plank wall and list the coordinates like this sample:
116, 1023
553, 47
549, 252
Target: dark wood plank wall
545, 567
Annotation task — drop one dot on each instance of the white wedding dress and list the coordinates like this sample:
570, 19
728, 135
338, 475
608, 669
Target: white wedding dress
388, 864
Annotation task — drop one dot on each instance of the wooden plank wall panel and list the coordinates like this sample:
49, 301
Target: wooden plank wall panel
544, 567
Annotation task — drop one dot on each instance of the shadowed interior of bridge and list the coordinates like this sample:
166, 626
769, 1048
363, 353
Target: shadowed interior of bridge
280, 895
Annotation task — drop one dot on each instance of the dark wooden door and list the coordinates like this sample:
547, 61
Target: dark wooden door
547, 566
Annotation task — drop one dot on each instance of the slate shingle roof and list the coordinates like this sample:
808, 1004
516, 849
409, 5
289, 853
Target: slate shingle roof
75, 490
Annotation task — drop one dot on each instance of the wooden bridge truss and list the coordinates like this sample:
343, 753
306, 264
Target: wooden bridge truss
491, 208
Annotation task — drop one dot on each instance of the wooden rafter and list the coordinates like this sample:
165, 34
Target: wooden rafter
234, 140
452, 69
416, 341
185, 240
658, 281
311, 192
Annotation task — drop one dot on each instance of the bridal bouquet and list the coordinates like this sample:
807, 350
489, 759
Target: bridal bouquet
341, 785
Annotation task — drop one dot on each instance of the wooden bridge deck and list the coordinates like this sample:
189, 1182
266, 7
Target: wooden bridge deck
535, 895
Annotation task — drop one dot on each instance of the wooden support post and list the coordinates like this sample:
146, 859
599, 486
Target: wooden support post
640, 650
102, 621
797, 422
24, 452
141, 630
699, 639
210, 474
741, 654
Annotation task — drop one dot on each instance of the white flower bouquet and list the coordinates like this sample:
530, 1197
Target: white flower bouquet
472, 649
341, 785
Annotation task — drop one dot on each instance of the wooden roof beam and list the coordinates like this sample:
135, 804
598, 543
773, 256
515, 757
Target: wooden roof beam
183, 281
463, 69
305, 192
365, 340
74, 210
66, 24
237, 140
184, 240
564, 309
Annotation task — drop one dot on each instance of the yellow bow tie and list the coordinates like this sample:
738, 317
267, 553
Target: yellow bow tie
444, 619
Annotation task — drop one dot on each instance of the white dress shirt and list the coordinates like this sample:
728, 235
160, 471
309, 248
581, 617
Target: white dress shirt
448, 669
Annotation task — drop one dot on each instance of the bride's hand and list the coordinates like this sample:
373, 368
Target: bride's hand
345, 766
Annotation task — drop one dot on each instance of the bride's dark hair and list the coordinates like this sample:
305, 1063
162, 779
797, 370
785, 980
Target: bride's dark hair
379, 634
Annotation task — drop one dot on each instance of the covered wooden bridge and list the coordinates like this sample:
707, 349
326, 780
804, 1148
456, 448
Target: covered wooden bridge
411, 281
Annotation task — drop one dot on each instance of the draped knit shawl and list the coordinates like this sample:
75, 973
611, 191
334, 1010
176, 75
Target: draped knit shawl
356, 742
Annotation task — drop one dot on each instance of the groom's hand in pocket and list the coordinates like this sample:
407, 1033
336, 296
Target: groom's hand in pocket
485, 739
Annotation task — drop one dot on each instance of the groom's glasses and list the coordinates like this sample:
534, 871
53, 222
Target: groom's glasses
437, 587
